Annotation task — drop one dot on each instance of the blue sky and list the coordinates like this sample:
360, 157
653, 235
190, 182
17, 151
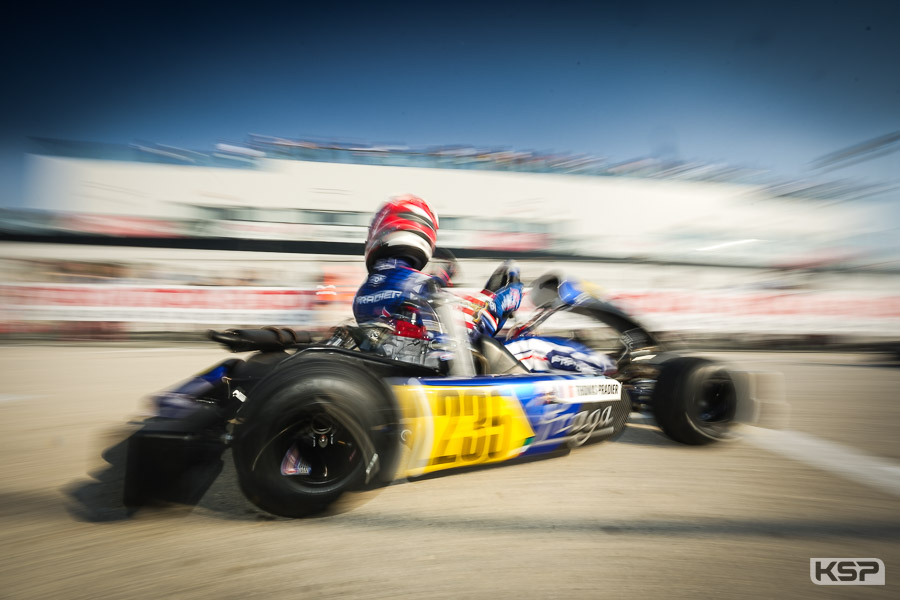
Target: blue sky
765, 84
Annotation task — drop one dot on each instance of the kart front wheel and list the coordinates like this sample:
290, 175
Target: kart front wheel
695, 401
310, 434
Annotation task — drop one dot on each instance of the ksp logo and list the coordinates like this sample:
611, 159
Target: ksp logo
846, 571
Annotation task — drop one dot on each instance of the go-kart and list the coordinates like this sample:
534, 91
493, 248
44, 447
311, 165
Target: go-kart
309, 421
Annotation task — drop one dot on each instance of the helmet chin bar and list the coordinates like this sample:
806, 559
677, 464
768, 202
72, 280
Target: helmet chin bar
408, 238
400, 244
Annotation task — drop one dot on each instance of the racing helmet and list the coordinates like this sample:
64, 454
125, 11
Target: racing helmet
405, 227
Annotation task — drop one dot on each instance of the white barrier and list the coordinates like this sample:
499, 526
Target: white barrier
788, 312
791, 312
201, 305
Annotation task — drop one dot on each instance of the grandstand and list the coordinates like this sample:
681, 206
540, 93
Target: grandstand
700, 250
282, 192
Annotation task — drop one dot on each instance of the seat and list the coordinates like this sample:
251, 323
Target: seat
500, 360
267, 339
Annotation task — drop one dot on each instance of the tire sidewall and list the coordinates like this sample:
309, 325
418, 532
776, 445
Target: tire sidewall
351, 396
675, 399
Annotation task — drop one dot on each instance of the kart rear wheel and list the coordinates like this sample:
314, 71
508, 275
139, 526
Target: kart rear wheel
695, 401
312, 432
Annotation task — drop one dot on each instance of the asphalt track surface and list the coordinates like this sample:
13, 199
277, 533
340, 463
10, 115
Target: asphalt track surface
641, 517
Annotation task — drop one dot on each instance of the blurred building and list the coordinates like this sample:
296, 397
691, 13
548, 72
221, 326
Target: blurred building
282, 190
692, 248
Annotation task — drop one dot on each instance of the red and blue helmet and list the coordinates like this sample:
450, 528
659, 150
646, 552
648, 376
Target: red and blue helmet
405, 227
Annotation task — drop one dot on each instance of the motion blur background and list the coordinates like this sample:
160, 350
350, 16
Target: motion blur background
725, 174
728, 172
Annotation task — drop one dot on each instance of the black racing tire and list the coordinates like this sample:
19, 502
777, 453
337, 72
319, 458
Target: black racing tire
286, 414
695, 401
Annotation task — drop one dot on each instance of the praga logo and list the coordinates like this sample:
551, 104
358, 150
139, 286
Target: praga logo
561, 361
560, 423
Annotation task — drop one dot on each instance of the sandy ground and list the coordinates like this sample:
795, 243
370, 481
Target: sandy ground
641, 517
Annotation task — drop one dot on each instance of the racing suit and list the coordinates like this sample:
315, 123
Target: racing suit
395, 295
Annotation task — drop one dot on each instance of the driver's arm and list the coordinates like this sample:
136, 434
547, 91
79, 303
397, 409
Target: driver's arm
499, 307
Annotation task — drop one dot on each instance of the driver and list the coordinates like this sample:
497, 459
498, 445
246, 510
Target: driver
401, 241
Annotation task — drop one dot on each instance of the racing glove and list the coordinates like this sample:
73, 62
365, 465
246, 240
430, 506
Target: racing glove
504, 292
504, 303
504, 275
443, 267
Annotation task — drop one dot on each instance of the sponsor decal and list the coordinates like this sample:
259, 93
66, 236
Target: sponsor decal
559, 423
584, 390
378, 297
597, 422
511, 301
564, 361
573, 412
588, 390
846, 571
462, 426
377, 279
606, 390
561, 360
475, 425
